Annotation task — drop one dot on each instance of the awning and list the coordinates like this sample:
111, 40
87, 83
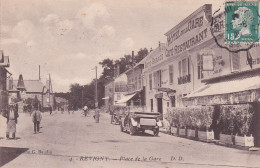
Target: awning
227, 86
105, 98
163, 89
126, 98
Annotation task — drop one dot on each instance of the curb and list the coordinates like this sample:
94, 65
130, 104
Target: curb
216, 142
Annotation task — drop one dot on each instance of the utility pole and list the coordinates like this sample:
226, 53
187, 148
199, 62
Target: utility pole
96, 95
82, 98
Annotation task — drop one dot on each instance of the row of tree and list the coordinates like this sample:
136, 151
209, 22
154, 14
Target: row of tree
81, 95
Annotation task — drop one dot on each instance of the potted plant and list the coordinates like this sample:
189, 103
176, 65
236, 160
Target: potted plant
243, 126
182, 122
203, 123
172, 118
227, 119
191, 124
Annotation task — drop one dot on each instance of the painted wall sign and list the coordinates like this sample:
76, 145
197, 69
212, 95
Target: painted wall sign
154, 60
192, 24
189, 33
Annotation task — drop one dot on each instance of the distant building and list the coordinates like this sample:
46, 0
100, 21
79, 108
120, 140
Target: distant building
115, 89
32, 89
61, 104
4, 63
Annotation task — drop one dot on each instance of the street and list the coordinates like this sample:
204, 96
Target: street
72, 140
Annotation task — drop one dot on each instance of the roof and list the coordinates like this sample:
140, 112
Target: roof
4, 60
231, 85
30, 85
20, 83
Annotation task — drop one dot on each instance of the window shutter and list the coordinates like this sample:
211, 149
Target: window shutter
235, 62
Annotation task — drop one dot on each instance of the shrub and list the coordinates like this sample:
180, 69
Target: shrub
199, 117
236, 119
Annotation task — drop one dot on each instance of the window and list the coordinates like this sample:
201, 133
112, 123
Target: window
157, 78
171, 74
235, 62
200, 66
139, 82
151, 105
136, 83
184, 71
179, 68
173, 101
151, 81
184, 67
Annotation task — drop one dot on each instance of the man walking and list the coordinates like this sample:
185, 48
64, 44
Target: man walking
11, 115
36, 118
85, 108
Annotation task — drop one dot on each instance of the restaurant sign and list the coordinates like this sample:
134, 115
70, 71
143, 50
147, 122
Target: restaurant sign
193, 31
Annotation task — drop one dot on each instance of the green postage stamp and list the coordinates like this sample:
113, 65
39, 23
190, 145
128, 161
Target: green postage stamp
242, 21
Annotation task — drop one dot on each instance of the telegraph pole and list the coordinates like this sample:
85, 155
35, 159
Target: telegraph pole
96, 95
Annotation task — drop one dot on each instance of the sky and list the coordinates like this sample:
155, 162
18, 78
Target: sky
68, 38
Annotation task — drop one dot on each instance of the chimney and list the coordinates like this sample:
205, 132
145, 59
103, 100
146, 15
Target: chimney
39, 72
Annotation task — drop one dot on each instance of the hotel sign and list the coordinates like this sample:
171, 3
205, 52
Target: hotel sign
193, 31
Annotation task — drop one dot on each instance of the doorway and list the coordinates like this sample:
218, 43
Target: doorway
159, 105
256, 126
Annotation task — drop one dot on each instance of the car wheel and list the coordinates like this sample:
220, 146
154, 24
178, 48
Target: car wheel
156, 132
132, 129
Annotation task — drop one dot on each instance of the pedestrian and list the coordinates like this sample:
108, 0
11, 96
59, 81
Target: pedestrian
36, 118
96, 115
50, 109
11, 115
85, 108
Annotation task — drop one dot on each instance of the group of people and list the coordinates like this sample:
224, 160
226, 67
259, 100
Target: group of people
96, 115
11, 114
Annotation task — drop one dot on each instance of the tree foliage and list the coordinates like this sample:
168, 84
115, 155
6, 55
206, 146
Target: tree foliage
80, 96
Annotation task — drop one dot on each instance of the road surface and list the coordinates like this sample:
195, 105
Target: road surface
72, 140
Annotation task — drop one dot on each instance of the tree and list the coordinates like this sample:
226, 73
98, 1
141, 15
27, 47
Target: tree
75, 96
108, 68
141, 54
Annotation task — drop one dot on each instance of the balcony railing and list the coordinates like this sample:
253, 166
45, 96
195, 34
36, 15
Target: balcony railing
184, 79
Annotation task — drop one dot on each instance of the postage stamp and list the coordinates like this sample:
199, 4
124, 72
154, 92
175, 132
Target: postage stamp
242, 21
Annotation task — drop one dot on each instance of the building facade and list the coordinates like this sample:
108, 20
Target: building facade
115, 90
197, 67
4, 63
27, 90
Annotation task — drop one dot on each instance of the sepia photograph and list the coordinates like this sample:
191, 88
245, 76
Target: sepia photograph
124, 84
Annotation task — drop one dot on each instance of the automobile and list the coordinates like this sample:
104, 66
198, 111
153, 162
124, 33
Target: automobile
116, 115
115, 118
134, 122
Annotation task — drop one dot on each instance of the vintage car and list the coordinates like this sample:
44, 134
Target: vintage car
133, 122
116, 113
115, 118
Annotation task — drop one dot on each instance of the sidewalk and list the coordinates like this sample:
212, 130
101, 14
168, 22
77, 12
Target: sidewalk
216, 142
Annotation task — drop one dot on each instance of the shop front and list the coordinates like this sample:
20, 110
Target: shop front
237, 96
